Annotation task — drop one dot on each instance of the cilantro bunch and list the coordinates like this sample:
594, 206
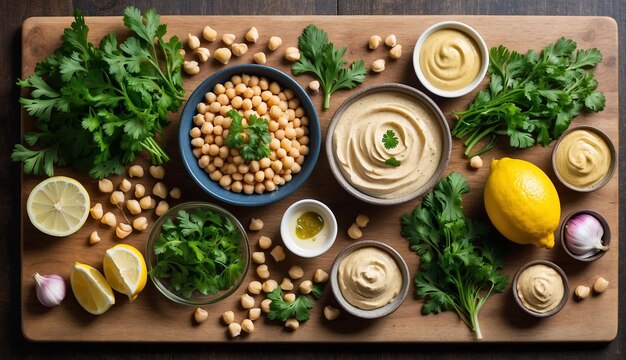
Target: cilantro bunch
299, 309
459, 258
95, 108
325, 61
255, 144
200, 252
531, 98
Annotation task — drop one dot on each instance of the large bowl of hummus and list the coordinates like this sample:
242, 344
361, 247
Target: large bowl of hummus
388, 144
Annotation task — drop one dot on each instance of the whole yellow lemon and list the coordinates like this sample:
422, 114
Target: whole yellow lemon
522, 202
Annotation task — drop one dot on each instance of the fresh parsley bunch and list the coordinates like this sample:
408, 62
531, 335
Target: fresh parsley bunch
459, 258
531, 98
255, 144
97, 107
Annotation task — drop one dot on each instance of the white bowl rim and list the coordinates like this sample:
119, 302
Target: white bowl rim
484, 52
329, 218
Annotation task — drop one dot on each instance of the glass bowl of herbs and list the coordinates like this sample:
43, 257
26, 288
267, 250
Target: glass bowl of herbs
197, 254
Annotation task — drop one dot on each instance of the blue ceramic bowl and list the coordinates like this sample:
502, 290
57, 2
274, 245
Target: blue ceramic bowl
202, 178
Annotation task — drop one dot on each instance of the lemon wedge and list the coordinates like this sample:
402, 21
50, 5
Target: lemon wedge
91, 289
58, 206
125, 270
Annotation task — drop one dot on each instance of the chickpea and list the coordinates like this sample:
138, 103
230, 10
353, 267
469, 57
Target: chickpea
476, 162
105, 186
157, 172
289, 297
228, 39
161, 208
109, 219
362, 220
292, 324
252, 35
222, 55
395, 52
228, 317
147, 202
286, 284
278, 253
265, 242
378, 66
175, 193
582, 291
116, 198
234, 329
209, 34
314, 86
94, 238
239, 49
96, 211
354, 232
135, 171
203, 54
256, 224
258, 257
320, 276
262, 271
374, 42
306, 286
133, 206
600, 285
123, 230
296, 272
254, 313
247, 325
391, 40
292, 54
247, 301
255, 287
125, 185
140, 223
266, 305
160, 190
191, 67
274, 43
331, 313
236, 186
200, 315
269, 285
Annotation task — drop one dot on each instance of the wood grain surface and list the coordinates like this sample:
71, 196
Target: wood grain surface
13, 344
500, 320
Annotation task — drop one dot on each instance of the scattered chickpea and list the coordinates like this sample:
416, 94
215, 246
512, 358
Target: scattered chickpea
254, 313
269, 285
234, 329
94, 238
265, 242
266, 305
175, 193
395, 52
296, 272
292, 324
320, 276
161, 208
256, 224
109, 219
374, 42
228, 317
259, 58
286, 284
331, 313
209, 34
135, 171
123, 230
314, 85
362, 220
274, 43
255, 287
247, 301
258, 257
200, 315
306, 286
222, 55
96, 211
192, 41
140, 223
476, 162
228, 39
354, 232
292, 54
600, 285
147, 202
191, 67
278, 253
391, 40
582, 291
247, 325
116, 198
105, 186
252, 35
182, 52
289, 297
378, 66
203, 54
160, 190
238, 49
133, 206
157, 172
263, 272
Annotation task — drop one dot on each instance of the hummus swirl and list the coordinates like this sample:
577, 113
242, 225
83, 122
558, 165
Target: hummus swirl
540, 288
450, 59
369, 278
583, 158
361, 153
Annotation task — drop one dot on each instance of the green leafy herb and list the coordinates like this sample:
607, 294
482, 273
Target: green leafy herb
200, 252
256, 146
283, 311
97, 107
317, 290
390, 140
531, 98
322, 58
392, 161
459, 258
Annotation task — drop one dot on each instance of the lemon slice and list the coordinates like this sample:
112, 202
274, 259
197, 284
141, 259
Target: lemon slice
91, 289
58, 206
125, 270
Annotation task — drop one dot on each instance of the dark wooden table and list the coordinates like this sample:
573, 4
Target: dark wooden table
12, 344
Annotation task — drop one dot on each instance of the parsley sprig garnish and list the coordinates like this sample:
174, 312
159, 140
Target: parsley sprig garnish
255, 145
390, 141
324, 60
97, 107
459, 258
531, 98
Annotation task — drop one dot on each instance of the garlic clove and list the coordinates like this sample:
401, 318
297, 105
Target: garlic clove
50, 289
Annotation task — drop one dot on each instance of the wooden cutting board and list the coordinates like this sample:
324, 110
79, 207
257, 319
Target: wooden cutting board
154, 318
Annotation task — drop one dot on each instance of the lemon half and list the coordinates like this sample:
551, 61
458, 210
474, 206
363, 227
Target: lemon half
58, 206
91, 289
125, 270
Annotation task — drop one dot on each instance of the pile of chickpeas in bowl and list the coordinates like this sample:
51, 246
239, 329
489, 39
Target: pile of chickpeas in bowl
287, 125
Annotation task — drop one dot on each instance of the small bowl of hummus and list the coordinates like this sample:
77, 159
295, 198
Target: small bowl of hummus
369, 279
584, 159
450, 59
388, 144
540, 288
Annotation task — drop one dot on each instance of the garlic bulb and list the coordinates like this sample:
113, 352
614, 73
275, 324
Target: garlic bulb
583, 235
50, 289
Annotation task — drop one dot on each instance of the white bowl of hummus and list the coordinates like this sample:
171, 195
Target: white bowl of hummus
369, 279
450, 59
388, 144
